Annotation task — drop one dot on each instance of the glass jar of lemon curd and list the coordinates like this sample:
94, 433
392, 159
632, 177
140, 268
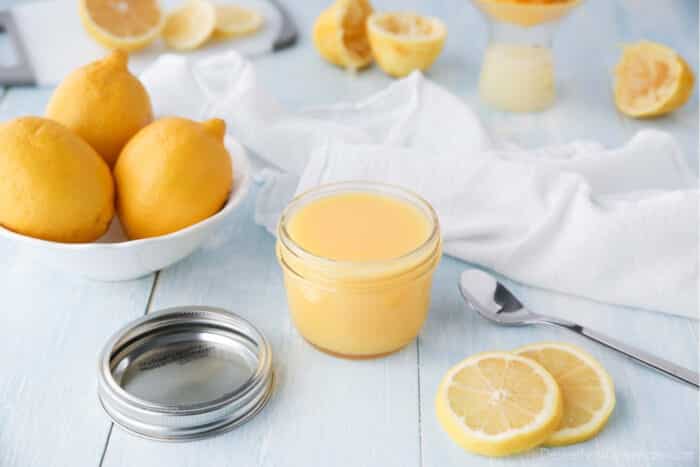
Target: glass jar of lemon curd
358, 260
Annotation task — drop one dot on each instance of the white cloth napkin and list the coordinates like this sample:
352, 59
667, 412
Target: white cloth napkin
618, 226
57, 43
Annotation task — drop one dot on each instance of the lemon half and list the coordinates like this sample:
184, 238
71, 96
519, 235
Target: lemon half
587, 389
651, 80
236, 21
403, 42
340, 34
498, 403
124, 24
190, 26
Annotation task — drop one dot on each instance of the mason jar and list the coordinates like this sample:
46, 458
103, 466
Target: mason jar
359, 309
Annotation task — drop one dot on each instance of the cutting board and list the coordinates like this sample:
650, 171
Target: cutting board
48, 40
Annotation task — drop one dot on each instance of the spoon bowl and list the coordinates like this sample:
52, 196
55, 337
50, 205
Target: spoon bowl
488, 297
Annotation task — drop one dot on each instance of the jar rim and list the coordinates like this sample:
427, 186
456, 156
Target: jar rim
362, 186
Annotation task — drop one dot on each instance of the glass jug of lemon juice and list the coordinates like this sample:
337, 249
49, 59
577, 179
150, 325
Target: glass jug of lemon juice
517, 71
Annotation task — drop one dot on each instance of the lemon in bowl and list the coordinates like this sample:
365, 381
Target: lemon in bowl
178, 182
172, 174
103, 103
115, 257
54, 186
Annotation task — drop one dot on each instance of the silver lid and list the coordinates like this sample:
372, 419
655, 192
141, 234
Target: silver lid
185, 373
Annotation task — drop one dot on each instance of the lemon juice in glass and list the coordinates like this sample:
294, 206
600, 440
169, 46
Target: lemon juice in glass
517, 72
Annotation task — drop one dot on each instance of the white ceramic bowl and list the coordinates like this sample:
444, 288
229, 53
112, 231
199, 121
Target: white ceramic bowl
115, 258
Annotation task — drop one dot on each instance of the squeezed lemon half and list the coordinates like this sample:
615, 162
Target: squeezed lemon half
404, 42
190, 26
587, 389
499, 403
651, 80
340, 35
122, 24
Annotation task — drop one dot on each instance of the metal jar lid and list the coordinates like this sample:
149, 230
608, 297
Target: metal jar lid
185, 373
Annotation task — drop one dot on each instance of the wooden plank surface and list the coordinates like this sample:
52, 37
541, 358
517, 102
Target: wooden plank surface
635, 435
52, 327
335, 412
325, 411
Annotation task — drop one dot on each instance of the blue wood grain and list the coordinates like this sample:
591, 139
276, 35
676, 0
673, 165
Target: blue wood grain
52, 327
650, 425
334, 412
587, 47
325, 411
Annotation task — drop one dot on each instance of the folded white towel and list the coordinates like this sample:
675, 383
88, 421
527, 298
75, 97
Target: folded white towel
618, 226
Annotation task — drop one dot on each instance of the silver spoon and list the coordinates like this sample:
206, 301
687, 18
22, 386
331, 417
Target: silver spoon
493, 301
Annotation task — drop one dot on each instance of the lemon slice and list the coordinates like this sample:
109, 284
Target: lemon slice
236, 21
403, 42
498, 403
651, 80
122, 24
339, 34
190, 26
588, 391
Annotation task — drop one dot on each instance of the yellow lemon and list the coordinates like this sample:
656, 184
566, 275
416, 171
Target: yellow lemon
236, 21
498, 403
122, 24
340, 34
403, 42
54, 185
190, 26
651, 80
587, 389
172, 174
103, 103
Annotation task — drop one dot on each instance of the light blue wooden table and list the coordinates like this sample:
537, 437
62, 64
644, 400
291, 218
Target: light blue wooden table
330, 412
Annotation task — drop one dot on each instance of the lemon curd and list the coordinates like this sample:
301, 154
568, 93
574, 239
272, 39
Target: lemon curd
358, 260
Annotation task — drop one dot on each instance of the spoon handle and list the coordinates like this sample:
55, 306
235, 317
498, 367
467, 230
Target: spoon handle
664, 366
